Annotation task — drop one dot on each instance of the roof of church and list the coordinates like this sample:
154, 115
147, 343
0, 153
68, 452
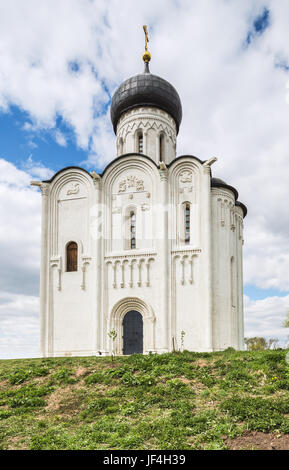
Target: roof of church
218, 183
146, 89
215, 182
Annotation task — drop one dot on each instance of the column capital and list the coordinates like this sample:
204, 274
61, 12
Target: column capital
163, 171
44, 189
43, 186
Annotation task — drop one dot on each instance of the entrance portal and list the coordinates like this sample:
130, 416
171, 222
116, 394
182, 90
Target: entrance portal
132, 333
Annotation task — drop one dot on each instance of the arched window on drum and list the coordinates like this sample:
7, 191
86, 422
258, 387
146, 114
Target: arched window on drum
140, 142
161, 147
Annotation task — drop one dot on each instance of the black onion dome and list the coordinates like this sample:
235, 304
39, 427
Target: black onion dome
218, 183
146, 89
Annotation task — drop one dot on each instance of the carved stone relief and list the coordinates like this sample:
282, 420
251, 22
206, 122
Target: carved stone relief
73, 188
186, 177
185, 182
131, 182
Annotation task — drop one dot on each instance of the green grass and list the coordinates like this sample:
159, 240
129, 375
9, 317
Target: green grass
170, 401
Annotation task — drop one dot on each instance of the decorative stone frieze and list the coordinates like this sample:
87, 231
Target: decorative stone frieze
130, 270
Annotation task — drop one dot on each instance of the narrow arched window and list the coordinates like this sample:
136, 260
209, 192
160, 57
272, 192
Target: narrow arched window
187, 223
132, 230
121, 146
140, 142
161, 148
71, 257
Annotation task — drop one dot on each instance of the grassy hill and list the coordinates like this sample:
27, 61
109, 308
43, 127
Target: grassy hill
171, 401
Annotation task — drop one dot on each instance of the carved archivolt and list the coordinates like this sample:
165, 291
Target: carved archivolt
118, 313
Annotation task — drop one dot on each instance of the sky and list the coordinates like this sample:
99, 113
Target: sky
60, 63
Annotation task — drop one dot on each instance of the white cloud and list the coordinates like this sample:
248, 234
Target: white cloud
20, 215
19, 326
60, 138
37, 169
265, 317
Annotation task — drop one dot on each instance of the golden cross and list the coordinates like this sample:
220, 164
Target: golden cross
146, 37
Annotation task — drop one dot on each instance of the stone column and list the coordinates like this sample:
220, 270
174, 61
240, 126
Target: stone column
97, 239
163, 255
207, 256
44, 267
240, 242
145, 143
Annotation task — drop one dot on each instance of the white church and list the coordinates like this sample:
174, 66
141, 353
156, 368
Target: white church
150, 249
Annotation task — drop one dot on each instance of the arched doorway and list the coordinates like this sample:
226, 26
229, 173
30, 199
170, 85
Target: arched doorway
132, 333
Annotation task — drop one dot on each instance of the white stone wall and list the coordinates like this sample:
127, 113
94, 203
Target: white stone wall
227, 240
133, 183
68, 298
191, 263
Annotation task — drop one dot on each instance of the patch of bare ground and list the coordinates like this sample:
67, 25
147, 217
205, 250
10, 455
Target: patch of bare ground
62, 402
16, 443
81, 372
202, 363
185, 380
255, 440
198, 386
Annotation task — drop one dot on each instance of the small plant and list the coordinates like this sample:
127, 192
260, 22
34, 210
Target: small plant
112, 335
63, 375
182, 339
286, 321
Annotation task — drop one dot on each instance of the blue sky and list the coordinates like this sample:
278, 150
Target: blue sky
61, 63
18, 144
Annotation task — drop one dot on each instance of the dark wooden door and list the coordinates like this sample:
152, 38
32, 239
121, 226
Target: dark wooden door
132, 333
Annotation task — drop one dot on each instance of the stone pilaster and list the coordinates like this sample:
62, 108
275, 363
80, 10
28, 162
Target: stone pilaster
163, 254
207, 255
97, 238
44, 267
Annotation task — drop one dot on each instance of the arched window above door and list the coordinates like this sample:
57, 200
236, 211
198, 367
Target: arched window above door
132, 230
187, 224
